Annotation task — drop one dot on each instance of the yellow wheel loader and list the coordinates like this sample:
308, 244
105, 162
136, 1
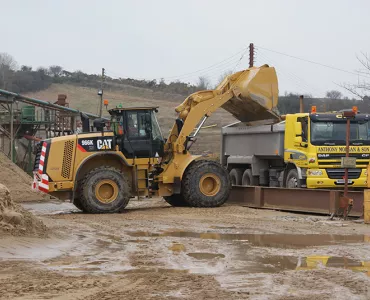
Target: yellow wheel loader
101, 170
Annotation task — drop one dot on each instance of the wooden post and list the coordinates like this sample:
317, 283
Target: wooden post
301, 110
367, 206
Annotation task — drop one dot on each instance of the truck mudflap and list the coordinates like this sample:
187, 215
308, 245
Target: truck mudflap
40, 178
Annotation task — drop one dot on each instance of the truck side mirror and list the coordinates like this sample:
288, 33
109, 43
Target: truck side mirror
298, 132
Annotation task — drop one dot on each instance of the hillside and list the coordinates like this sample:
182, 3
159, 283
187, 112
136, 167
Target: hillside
86, 99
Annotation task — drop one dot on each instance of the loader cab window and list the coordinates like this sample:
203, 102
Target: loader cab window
156, 130
137, 125
142, 138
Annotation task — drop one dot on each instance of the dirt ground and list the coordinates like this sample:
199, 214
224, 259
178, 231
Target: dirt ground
154, 251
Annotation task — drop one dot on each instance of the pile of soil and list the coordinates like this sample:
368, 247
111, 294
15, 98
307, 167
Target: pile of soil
18, 182
15, 220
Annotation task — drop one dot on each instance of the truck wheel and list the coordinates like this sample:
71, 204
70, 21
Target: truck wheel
248, 179
206, 184
104, 190
176, 200
236, 176
292, 180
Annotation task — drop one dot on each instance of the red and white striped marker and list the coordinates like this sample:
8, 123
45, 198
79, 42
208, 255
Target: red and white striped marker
42, 185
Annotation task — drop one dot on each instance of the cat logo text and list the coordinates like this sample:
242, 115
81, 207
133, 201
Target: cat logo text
105, 144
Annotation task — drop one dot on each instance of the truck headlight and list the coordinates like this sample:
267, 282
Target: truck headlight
315, 172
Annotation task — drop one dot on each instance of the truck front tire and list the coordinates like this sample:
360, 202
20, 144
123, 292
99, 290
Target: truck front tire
104, 190
206, 184
292, 180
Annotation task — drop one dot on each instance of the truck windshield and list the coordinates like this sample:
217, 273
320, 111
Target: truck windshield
334, 133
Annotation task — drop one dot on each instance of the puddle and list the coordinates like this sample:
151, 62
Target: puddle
264, 240
28, 248
50, 208
155, 270
314, 262
205, 255
79, 253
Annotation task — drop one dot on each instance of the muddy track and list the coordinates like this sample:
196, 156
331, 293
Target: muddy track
154, 251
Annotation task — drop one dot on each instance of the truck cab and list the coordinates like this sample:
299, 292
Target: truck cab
318, 150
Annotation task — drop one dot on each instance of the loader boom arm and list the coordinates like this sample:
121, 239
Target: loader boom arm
249, 95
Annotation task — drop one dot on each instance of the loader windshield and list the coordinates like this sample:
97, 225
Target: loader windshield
156, 130
334, 133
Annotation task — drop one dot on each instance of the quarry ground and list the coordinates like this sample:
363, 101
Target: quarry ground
154, 251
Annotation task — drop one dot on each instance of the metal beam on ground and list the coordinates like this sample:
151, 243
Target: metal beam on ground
318, 201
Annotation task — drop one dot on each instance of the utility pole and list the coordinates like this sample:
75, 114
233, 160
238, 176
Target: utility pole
301, 110
100, 92
251, 55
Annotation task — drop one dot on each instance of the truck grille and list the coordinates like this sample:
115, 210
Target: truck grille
67, 159
359, 164
324, 156
339, 173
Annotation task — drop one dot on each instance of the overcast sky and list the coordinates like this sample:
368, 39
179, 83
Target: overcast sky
169, 38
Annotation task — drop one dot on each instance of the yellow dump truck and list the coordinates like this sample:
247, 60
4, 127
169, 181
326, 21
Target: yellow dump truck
304, 150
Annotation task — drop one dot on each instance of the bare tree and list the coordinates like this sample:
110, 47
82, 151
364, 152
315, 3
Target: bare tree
203, 83
334, 94
223, 76
361, 89
7, 67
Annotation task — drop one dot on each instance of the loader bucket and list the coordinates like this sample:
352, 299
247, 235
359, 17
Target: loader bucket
255, 93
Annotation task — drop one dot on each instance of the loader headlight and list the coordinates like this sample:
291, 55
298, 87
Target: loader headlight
315, 172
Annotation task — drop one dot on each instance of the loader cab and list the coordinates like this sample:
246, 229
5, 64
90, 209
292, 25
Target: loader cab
138, 132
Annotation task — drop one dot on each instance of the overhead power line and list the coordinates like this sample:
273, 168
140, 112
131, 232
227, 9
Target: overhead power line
313, 62
289, 75
209, 67
229, 62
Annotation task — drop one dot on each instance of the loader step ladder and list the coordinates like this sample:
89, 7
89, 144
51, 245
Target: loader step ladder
142, 180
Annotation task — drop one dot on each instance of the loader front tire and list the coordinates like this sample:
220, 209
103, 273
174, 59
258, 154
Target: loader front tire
104, 190
77, 203
206, 184
76, 200
176, 200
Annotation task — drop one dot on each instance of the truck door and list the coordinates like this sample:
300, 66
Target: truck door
304, 122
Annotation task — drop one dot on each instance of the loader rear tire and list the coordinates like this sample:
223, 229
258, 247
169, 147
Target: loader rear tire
104, 190
236, 176
176, 200
206, 184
